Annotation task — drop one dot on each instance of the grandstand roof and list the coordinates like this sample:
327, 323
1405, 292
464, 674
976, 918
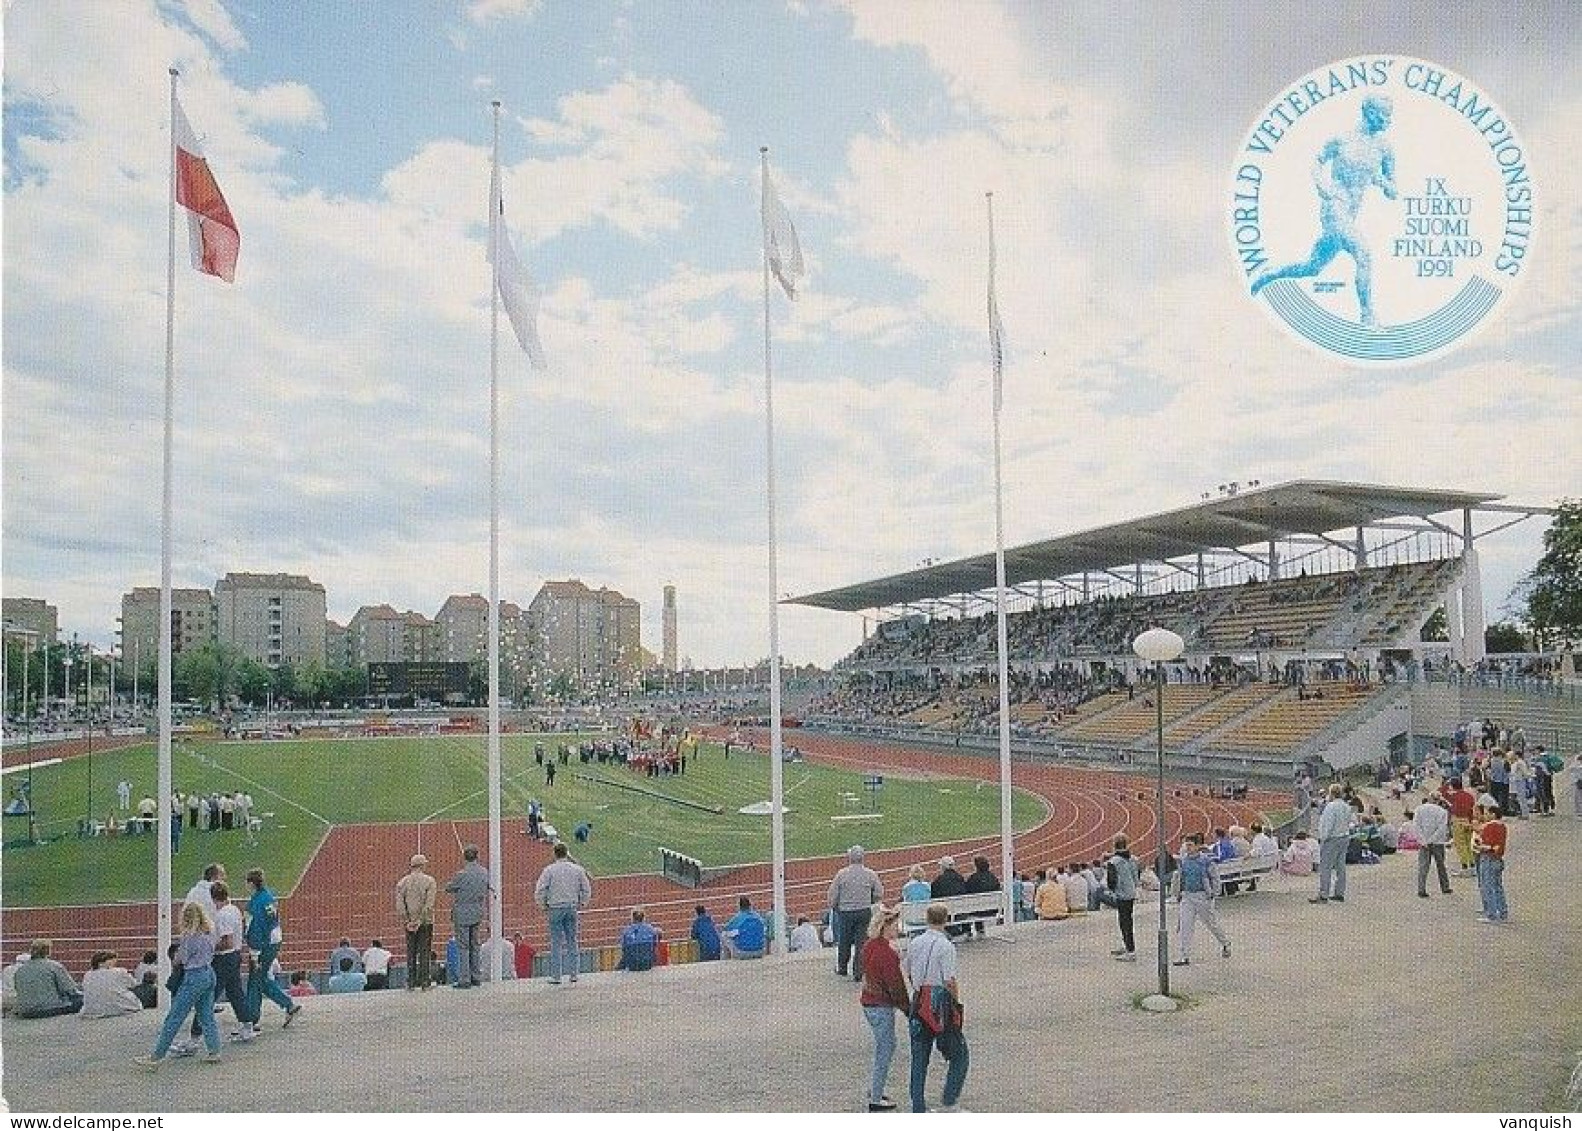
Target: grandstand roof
1301, 507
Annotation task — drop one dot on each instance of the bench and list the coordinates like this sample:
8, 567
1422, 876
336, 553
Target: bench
1245, 868
965, 910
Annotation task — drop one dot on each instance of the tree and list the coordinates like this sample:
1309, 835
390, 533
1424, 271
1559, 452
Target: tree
252, 682
1436, 627
312, 684
285, 681
206, 674
1503, 636
1552, 592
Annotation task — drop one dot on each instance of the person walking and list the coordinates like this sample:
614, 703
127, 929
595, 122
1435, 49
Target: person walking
563, 889
930, 969
469, 890
1432, 823
195, 956
1196, 884
1334, 833
415, 895
1489, 843
883, 993
852, 894
228, 954
264, 936
1121, 872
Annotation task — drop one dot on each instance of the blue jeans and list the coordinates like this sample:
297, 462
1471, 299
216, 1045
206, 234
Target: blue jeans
563, 954
1491, 887
260, 985
196, 992
953, 1047
881, 1019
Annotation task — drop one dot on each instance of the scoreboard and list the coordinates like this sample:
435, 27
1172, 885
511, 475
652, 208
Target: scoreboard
436, 681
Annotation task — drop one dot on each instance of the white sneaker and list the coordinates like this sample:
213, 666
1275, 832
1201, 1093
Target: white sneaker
183, 1048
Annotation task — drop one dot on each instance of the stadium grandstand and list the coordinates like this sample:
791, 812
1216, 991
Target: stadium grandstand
1303, 607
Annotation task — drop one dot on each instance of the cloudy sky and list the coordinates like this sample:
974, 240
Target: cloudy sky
332, 406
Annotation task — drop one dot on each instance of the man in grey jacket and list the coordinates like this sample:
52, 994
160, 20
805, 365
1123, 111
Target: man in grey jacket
1433, 832
562, 890
469, 890
852, 894
1334, 831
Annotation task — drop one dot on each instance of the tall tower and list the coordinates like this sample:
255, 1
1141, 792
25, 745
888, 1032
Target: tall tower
669, 657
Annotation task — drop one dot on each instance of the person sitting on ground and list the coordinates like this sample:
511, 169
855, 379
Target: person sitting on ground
1239, 843
1407, 838
1389, 837
107, 988
804, 936
149, 962
147, 991
639, 943
745, 934
486, 952
916, 889
705, 934
349, 980
582, 832
1077, 888
344, 950
524, 955
300, 985
43, 987
376, 966
1050, 899
1299, 856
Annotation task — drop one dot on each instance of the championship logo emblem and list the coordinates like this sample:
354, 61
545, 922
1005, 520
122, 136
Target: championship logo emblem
1382, 208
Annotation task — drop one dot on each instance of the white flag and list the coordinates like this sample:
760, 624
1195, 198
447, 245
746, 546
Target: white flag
780, 242
996, 329
518, 293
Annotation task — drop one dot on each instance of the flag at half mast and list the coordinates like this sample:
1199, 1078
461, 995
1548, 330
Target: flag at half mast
780, 242
215, 239
519, 294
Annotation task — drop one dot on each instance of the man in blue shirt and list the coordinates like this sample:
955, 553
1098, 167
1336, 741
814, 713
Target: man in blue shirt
745, 934
263, 936
1196, 882
349, 980
706, 934
639, 943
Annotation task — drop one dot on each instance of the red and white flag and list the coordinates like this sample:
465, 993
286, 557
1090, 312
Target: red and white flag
215, 240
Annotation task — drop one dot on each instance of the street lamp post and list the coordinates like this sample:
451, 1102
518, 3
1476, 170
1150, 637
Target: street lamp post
1157, 646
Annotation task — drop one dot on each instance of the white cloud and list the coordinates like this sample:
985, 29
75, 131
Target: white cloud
211, 18
482, 11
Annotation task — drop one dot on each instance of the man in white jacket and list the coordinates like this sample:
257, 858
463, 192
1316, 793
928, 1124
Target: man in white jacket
1432, 822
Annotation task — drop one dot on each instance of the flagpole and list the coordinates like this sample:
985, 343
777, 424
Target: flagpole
497, 895
162, 899
776, 768
1007, 861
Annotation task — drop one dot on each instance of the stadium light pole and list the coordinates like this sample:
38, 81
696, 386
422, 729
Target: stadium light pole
1158, 646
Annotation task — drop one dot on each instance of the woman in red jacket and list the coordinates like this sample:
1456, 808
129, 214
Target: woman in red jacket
883, 992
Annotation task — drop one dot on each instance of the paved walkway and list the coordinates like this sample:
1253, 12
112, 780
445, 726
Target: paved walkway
1385, 1002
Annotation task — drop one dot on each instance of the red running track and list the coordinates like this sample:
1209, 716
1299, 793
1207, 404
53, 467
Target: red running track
347, 888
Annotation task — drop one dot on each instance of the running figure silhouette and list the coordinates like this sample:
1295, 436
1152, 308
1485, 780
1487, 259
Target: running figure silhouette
1342, 174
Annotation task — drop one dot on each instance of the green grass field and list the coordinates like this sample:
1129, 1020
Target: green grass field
302, 787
